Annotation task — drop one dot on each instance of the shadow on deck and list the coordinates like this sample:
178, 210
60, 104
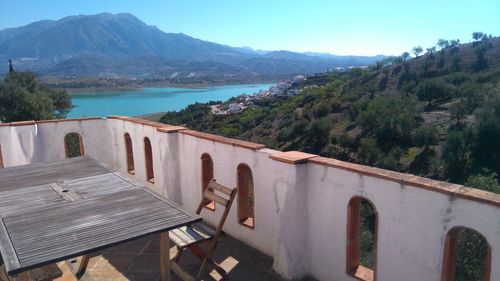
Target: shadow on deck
139, 261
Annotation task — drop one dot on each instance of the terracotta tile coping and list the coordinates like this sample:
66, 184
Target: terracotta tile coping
69, 120
412, 180
21, 123
216, 138
32, 122
140, 121
160, 127
164, 128
292, 157
171, 129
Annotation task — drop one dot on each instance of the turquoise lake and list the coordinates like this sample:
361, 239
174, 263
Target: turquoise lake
151, 100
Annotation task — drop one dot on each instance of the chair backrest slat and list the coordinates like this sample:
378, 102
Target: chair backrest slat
211, 196
225, 213
215, 186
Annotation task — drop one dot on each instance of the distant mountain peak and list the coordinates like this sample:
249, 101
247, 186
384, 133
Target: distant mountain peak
77, 45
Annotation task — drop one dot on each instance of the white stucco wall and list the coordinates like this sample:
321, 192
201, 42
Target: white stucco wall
45, 141
412, 225
300, 209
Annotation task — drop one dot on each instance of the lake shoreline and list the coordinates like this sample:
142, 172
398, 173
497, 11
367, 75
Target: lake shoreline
103, 90
146, 101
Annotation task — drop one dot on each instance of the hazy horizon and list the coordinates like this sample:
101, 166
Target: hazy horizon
361, 28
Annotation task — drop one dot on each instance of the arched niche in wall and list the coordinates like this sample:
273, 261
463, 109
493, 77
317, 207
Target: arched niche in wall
467, 256
129, 154
246, 198
73, 145
207, 173
361, 252
148, 156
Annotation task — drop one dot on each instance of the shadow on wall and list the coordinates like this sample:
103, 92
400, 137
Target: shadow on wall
1, 157
172, 163
292, 230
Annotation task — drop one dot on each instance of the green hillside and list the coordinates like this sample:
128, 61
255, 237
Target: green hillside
436, 115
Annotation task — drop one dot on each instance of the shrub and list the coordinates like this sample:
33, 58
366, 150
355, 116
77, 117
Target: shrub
425, 136
368, 151
487, 180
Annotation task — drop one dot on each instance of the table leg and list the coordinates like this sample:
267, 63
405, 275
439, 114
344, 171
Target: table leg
165, 256
84, 262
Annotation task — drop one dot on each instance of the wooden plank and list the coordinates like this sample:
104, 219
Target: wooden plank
48, 172
65, 192
9, 255
86, 240
23, 246
213, 185
117, 217
165, 256
89, 247
57, 216
214, 197
24, 199
190, 234
59, 232
99, 185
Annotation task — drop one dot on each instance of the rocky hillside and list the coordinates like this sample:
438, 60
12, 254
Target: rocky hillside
437, 115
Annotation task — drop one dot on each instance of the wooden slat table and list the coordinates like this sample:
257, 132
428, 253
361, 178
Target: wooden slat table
80, 207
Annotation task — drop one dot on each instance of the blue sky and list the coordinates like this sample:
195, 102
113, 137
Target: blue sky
358, 27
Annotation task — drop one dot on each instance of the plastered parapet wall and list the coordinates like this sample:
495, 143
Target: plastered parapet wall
300, 199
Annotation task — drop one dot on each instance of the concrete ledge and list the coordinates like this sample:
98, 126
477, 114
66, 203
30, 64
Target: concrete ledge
292, 157
216, 138
412, 180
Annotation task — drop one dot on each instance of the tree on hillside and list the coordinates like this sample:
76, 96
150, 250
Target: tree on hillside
431, 50
457, 154
23, 97
478, 36
487, 136
389, 119
454, 43
417, 50
405, 56
443, 43
433, 89
458, 112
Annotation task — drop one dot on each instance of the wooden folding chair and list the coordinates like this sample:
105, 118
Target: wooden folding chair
193, 235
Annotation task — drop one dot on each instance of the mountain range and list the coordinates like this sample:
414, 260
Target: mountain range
117, 45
